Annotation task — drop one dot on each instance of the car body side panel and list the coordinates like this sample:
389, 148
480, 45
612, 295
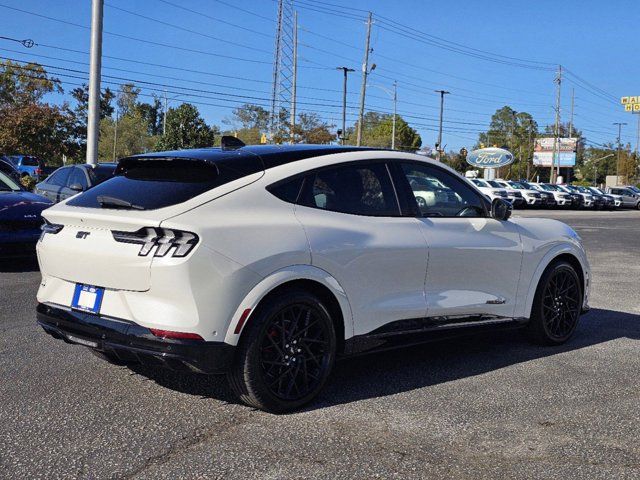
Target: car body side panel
474, 266
380, 262
542, 241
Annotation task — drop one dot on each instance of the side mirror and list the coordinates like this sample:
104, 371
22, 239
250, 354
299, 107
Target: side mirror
501, 210
76, 187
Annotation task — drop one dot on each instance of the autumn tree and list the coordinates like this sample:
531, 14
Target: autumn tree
28, 124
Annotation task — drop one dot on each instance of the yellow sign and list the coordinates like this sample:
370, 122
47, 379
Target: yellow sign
629, 100
632, 107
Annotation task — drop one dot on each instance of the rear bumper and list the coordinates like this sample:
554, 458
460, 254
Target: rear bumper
132, 343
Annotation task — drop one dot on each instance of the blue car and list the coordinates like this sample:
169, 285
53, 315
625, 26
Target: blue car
20, 218
32, 166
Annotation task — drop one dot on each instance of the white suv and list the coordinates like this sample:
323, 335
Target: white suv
488, 190
531, 197
562, 199
268, 262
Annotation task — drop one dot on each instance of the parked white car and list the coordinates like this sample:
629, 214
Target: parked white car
514, 196
587, 199
562, 199
488, 190
268, 262
531, 197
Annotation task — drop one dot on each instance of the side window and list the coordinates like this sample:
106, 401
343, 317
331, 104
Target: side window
59, 177
438, 193
287, 190
359, 189
77, 176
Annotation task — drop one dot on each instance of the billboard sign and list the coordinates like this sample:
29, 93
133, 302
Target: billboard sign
490, 158
631, 104
543, 152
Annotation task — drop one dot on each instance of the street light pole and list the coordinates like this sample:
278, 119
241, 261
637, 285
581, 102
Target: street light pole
439, 145
345, 70
93, 117
394, 96
619, 124
395, 105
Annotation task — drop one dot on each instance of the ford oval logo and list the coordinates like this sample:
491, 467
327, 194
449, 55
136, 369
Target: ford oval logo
490, 158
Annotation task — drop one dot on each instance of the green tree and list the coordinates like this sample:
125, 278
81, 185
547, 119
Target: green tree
516, 132
127, 99
186, 129
152, 114
250, 117
128, 136
377, 129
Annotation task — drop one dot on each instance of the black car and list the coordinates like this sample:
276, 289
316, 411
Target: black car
67, 181
8, 168
20, 218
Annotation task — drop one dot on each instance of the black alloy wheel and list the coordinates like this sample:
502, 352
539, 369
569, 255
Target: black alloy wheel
294, 352
286, 353
557, 305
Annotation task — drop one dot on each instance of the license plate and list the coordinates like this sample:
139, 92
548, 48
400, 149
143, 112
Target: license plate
87, 298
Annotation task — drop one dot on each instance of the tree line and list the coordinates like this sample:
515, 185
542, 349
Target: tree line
131, 125
517, 132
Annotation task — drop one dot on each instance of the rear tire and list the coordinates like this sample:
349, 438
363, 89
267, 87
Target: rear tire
556, 306
286, 353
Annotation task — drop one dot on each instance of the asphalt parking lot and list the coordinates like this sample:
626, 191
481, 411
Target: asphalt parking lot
490, 406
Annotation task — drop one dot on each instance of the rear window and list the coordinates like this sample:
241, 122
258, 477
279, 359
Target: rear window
101, 173
30, 161
151, 183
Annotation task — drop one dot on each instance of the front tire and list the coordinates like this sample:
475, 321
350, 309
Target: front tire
556, 306
286, 353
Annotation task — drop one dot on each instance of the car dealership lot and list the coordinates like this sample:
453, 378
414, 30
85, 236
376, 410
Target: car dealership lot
480, 407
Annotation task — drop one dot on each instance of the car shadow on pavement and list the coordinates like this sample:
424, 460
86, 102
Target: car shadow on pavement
388, 373
19, 264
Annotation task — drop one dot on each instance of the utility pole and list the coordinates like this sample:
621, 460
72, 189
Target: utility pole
638, 133
93, 120
164, 114
115, 135
439, 144
295, 77
395, 109
619, 124
345, 71
573, 91
365, 72
555, 157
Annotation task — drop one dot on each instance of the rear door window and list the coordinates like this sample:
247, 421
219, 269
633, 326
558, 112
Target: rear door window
77, 177
359, 189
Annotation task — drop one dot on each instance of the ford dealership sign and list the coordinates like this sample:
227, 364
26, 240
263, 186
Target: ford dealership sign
490, 158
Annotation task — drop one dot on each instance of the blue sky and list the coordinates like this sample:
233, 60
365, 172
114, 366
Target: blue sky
222, 51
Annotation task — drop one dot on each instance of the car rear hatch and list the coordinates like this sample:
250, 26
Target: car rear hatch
109, 235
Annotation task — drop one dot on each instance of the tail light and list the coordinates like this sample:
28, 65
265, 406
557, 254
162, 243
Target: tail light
164, 240
176, 335
38, 171
50, 228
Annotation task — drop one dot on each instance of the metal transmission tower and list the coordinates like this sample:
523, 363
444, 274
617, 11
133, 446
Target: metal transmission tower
283, 66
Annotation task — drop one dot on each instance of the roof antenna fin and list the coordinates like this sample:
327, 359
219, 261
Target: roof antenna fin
229, 142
